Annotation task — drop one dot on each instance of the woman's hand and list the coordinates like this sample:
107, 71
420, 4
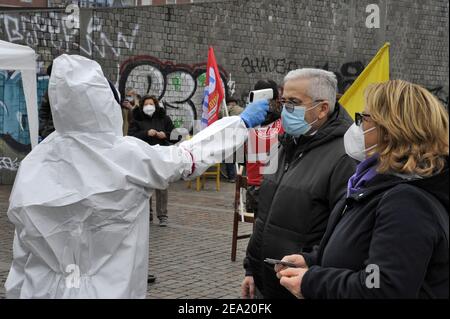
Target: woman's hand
126, 104
161, 135
298, 260
152, 132
291, 279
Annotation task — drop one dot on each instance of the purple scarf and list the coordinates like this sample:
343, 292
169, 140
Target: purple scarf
365, 171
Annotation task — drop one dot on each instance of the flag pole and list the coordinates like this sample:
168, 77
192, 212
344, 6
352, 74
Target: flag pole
227, 114
224, 105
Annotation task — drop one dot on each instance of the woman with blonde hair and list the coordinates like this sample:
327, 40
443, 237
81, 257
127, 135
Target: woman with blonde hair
388, 237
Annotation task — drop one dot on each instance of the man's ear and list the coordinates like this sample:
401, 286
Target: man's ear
324, 109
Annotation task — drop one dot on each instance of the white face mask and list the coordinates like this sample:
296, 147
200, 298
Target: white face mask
354, 143
149, 109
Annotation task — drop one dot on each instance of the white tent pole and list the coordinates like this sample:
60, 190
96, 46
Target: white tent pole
224, 105
29, 89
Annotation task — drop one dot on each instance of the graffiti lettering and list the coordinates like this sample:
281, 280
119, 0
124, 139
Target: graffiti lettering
440, 93
9, 164
25, 29
267, 65
94, 25
347, 74
231, 86
60, 31
13, 34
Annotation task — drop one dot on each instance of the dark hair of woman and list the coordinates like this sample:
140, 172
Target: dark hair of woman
159, 111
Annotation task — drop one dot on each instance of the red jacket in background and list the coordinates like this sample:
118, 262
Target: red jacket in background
260, 141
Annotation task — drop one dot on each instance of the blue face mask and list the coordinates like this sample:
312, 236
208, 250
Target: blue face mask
294, 123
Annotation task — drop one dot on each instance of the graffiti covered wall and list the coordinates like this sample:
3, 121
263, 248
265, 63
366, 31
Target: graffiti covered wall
162, 50
14, 133
180, 87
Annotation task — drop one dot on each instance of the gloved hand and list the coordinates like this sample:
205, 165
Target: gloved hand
255, 113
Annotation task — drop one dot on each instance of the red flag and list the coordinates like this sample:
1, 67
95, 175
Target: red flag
214, 93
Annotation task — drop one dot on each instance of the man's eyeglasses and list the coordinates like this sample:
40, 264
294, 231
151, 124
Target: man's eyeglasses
359, 117
290, 105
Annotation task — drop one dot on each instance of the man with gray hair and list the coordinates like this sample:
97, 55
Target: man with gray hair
313, 170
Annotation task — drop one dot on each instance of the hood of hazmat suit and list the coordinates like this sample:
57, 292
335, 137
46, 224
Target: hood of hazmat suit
80, 199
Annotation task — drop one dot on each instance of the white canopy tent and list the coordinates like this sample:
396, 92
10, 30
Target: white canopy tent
23, 58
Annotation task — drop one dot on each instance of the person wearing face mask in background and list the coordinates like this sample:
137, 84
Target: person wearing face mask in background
388, 236
261, 141
129, 103
152, 125
313, 169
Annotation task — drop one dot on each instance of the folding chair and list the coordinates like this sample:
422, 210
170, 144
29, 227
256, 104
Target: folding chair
213, 171
240, 214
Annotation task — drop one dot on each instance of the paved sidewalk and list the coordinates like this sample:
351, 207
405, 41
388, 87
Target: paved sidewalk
190, 257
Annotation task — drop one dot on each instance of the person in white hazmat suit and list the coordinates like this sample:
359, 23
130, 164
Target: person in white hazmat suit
80, 201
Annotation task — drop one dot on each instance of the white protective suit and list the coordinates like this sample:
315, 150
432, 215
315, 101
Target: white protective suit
80, 201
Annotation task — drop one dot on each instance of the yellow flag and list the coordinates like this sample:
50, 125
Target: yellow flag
376, 72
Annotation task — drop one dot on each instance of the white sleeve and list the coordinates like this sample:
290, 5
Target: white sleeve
191, 158
215, 143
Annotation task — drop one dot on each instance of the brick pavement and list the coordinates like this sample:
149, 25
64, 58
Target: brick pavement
191, 257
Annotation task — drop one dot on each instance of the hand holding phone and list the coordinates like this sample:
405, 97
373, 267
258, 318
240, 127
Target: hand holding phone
274, 262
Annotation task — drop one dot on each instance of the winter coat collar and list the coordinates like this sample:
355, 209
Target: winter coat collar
436, 185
